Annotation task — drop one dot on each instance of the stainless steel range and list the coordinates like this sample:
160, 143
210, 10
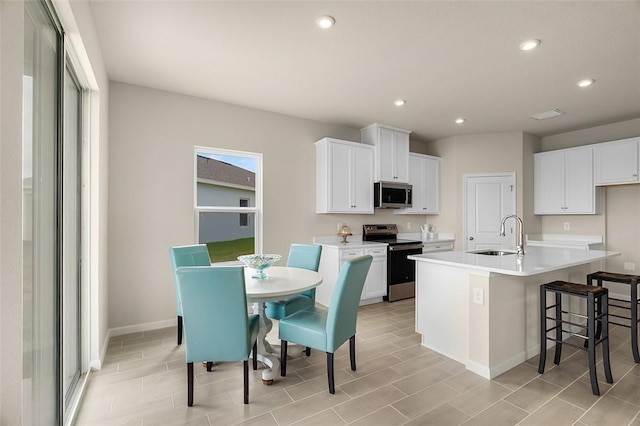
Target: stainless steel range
401, 272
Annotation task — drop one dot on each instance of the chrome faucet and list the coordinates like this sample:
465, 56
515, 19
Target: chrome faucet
520, 240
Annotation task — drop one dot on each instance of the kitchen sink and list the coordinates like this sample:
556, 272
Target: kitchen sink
492, 252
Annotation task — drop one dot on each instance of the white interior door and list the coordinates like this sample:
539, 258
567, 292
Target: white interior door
488, 199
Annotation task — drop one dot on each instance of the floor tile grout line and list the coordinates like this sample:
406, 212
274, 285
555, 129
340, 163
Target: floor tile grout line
489, 406
599, 397
399, 412
453, 389
367, 414
504, 398
451, 369
390, 405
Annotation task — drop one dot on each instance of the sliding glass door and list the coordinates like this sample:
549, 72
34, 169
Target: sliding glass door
51, 249
40, 216
69, 238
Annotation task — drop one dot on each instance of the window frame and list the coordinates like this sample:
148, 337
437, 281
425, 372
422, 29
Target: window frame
256, 210
244, 217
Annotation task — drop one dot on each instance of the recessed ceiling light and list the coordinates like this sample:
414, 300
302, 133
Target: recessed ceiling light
460, 120
586, 82
399, 102
325, 22
529, 44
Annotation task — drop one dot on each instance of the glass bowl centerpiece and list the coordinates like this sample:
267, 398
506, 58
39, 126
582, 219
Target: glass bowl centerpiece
259, 262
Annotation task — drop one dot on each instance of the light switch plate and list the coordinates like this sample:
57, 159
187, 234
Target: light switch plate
478, 296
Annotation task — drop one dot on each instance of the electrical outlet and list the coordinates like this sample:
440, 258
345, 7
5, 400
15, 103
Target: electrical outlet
478, 296
340, 226
629, 266
408, 225
566, 226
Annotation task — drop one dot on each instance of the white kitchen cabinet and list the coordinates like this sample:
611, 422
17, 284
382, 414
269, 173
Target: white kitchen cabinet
563, 182
392, 152
344, 177
617, 162
424, 177
375, 286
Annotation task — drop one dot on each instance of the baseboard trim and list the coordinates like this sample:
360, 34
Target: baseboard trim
96, 364
119, 331
479, 369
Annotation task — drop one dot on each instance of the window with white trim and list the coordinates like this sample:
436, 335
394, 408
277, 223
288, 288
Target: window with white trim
244, 217
228, 202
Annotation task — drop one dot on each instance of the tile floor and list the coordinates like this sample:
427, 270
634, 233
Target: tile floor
398, 382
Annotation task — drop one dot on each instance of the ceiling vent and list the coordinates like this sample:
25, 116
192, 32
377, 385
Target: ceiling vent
548, 114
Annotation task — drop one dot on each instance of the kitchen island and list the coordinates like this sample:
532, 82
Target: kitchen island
482, 310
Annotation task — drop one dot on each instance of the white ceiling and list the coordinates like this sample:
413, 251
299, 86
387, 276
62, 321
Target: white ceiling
448, 59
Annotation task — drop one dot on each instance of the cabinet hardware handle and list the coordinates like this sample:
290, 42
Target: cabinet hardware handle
470, 238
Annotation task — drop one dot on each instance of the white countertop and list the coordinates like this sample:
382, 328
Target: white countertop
565, 241
537, 260
354, 241
438, 237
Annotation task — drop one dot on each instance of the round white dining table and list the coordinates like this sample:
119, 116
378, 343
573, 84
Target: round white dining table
281, 282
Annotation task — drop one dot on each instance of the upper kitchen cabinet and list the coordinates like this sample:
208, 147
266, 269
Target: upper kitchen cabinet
392, 152
563, 182
344, 177
424, 177
617, 162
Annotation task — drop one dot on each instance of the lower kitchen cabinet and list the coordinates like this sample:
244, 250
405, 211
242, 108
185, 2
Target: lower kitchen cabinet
376, 284
375, 287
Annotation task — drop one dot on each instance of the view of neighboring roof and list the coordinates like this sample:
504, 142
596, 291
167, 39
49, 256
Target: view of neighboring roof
221, 172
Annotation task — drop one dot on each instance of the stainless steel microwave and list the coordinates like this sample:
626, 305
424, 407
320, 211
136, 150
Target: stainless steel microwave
391, 195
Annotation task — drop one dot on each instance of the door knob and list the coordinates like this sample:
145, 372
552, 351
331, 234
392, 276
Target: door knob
470, 238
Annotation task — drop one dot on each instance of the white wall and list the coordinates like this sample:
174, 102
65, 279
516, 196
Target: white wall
152, 136
608, 132
618, 223
485, 153
11, 66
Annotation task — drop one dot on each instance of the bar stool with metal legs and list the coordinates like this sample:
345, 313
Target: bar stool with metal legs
631, 304
594, 295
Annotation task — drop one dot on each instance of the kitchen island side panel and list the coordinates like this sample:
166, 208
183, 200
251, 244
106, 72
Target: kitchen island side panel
442, 306
500, 331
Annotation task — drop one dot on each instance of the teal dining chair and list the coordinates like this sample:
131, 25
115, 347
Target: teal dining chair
305, 256
216, 323
327, 329
195, 255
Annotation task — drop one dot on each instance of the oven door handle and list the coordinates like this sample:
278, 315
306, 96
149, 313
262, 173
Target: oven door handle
406, 247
